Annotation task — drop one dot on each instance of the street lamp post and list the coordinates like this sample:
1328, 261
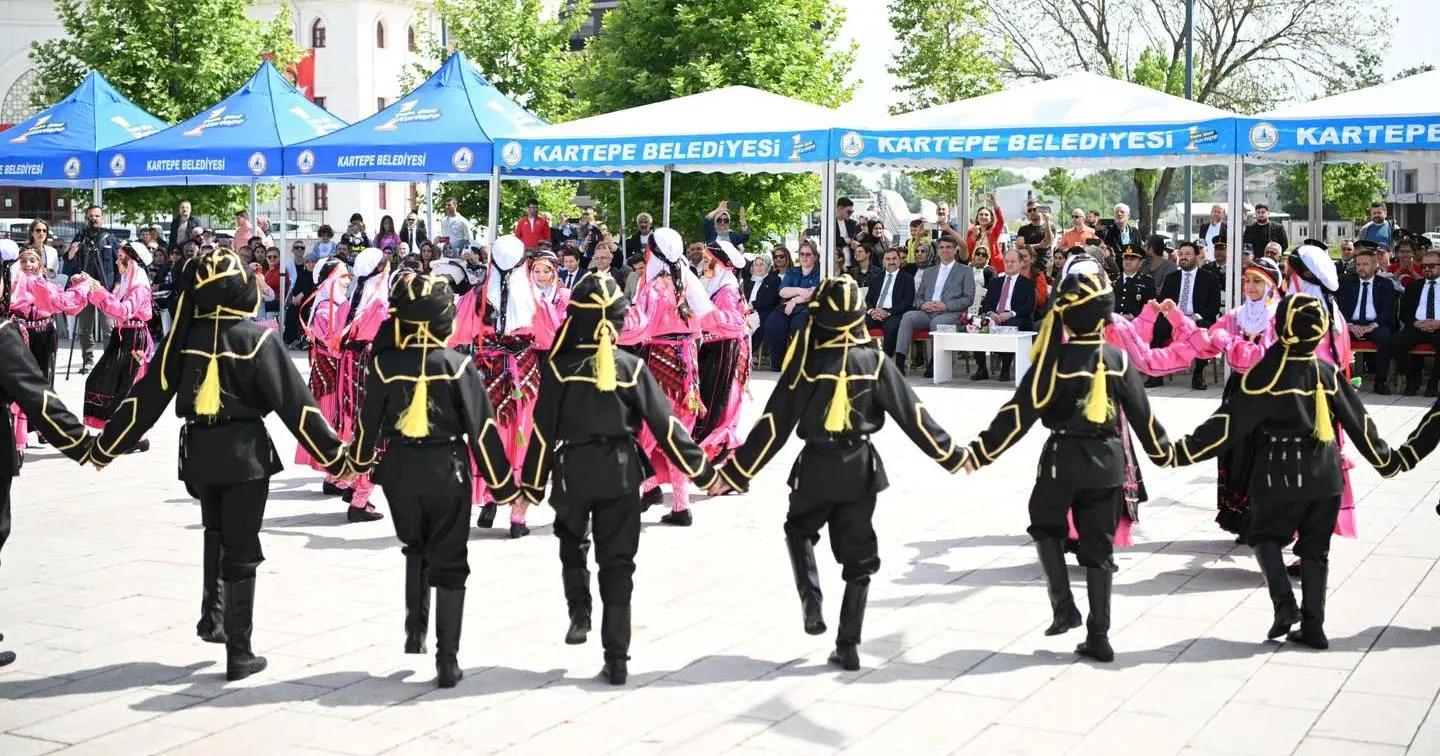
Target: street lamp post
1189, 95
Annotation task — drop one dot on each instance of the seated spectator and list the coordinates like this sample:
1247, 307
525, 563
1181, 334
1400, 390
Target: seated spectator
1420, 323
865, 267
1405, 270
875, 241
1009, 301
942, 295
923, 258
761, 291
604, 259
790, 312
1369, 304
890, 295
636, 264
1030, 270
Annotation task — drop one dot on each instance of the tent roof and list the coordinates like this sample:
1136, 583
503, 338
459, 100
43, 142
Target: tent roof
1042, 115
731, 129
234, 141
58, 146
1388, 121
444, 129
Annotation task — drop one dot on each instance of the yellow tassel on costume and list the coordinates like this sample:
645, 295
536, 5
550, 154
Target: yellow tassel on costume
790, 350
415, 421
1097, 405
837, 418
605, 361
1042, 338
1324, 426
207, 399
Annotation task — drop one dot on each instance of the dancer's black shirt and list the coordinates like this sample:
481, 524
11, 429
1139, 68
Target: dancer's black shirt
22, 382
256, 378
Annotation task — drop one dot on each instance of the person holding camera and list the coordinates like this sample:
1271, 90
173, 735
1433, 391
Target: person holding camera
92, 253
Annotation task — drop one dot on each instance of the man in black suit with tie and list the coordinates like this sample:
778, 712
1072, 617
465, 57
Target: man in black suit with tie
889, 296
1009, 301
1196, 294
1420, 318
1370, 303
570, 271
640, 241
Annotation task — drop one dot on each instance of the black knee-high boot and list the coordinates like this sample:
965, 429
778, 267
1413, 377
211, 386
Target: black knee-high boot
449, 611
615, 637
240, 660
417, 603
1057, 581
211, 627
1282, 596
852, 620
1313, 576
807, 581
576, 581
1098, 582
487, 517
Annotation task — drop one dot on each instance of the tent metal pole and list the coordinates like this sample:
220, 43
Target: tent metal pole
97, 194
1235, 253
429, 206
622, 215
1315, 196
254, 207
494, 229
963, 194
827, 219
284, 272
666, 193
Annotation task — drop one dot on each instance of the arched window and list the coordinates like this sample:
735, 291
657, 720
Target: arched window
317, 34
410, 39
16, 106
380, 35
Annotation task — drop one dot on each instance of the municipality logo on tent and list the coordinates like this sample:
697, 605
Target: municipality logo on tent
217, 119
41, 127
135, 132
511, 153
117, 165
257, 163
305, 161
409, 112
72, 167
1264, 136
463, 159
1199, 136
799, 147
852, 144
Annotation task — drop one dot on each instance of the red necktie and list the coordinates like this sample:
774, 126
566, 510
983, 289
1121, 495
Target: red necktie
1004, 294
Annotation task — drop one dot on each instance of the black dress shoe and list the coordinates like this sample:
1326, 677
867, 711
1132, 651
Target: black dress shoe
487, 517
1412, 387
615, 671
1430, 390
85, 368
651, 498
1197, 382
1004, 376
1154, 382
980, 375
1382, 388
845, 657
144, 445
366, 513
518, 530
681, 518
930, 370
900, 365
348, 495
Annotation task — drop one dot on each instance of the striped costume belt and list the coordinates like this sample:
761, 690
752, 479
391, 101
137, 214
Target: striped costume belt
36, 325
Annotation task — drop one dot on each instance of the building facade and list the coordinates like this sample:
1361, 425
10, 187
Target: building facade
366, 53
1414, 195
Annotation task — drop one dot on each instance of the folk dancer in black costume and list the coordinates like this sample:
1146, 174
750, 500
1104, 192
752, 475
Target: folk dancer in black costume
225, 373
593, 399
1069, 389
23, 382
835, 394
1289, 406
426, 414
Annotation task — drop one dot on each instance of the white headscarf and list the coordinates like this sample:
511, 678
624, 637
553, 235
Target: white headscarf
135, 276
507, 267
1254, 316
727, 261
672, 255
333, 286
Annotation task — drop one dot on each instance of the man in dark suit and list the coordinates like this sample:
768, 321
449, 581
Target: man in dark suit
1370, 303
1122, 232
1009, 301
1196, 294
1133, 289
889, 296
1420, 322
413, 232
846, 228
570, 270
638, 242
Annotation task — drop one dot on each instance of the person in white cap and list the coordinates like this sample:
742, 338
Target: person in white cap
129, 348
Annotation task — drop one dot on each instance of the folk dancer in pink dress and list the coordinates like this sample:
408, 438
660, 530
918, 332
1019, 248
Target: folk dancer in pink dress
369, 307
497, 318
553, 302
34, 301
329, 312
724, 355
679, 311
129, 349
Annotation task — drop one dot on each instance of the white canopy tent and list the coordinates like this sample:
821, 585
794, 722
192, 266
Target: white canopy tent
1081, 120
1376, 124
734, 129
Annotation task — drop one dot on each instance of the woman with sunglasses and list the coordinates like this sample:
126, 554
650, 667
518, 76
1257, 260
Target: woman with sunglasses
796, 288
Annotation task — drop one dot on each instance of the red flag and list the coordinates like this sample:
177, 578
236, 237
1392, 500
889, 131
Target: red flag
304, 74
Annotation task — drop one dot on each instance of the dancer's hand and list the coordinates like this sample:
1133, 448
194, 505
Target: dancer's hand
718, 488
969, 467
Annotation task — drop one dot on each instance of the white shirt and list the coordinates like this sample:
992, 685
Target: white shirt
887, 295
1212, 230
1365, 302
942, 273
458, 229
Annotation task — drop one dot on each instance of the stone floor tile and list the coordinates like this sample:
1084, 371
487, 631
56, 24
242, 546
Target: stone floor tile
1372, 718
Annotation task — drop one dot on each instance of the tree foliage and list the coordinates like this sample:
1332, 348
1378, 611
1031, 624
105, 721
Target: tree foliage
653, 50
1246, 52
1061, 184
173, 58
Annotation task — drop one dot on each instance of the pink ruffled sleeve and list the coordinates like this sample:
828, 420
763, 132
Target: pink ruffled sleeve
367, 323
467, 320
69, 301
134, 306
548, 317
636, 328
1148, 360
727, 320
1242, 353
1206, 343
326, 324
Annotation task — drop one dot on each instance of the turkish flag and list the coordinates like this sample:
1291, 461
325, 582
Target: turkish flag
304, 74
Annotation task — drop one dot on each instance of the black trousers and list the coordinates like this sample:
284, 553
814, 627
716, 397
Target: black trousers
1279, 521
1408, 338
891, 327
1383, 339
615, 525
5, 510
235, 511
435, 526
1096, 512
852, 535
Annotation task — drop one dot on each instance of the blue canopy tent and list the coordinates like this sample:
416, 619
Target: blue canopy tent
445, 129
236, 141
1376, 124
60, 146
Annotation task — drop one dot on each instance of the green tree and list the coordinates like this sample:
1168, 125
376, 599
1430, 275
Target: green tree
653, 50
849, 185
903, 185
1240, 48
1061, 184
524, 51
942, 57
173, 58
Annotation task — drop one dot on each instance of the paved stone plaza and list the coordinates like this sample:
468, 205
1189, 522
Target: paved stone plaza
99, 595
